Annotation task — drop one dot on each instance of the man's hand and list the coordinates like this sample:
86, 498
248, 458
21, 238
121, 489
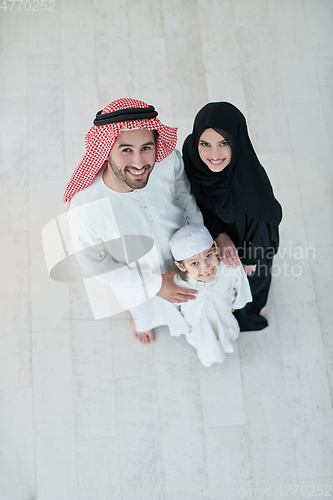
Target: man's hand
228, 251
172, 292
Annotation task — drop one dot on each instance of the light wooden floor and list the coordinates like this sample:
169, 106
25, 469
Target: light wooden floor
86, 412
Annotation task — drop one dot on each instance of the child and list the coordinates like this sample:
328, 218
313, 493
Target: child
211, 324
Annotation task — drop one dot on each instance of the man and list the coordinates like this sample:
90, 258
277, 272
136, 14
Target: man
132, 165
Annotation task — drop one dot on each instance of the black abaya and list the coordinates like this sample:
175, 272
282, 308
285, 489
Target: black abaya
238, 201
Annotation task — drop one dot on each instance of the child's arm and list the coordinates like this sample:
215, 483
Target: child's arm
177, 323
242, 289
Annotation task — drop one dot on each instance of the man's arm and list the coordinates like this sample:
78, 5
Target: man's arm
106, 261
183, 193
131, 285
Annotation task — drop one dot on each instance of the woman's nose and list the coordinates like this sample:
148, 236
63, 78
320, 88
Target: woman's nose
215, 153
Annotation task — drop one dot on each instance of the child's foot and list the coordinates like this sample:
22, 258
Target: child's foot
143, 337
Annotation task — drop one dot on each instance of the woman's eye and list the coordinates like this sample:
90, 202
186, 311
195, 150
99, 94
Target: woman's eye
204, 144
224, 143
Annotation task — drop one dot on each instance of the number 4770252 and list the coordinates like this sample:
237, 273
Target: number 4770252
28, 5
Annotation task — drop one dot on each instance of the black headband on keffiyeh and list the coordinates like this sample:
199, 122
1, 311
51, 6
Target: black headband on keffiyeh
124, 115
243, 184
108, 124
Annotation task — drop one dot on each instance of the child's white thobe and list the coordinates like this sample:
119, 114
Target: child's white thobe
207, 321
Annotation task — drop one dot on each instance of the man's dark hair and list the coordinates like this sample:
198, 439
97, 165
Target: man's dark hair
156, 135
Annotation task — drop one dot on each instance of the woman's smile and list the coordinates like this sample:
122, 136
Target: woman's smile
216, 162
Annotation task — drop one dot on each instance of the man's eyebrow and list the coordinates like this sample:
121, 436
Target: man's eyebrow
131, 145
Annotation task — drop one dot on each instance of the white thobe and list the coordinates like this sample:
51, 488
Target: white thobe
208, 322
98, 216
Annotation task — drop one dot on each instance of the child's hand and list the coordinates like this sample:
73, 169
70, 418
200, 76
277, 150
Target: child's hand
249, 270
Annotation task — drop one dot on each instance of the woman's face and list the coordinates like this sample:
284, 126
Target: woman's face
214, 150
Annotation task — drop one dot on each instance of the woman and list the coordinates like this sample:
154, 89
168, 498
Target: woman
236, 198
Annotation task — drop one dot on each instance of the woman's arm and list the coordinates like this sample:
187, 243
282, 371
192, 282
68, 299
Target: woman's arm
228, 251
214, 224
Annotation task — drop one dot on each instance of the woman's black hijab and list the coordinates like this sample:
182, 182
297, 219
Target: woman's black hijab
243, 184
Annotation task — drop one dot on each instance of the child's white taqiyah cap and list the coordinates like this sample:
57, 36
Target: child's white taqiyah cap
190, 240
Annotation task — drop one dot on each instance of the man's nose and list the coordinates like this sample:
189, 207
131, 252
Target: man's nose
138, 161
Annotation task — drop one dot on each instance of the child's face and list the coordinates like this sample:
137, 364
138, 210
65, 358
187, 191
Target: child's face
203, 266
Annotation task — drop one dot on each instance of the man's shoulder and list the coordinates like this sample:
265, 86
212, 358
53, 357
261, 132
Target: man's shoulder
165, 171
89, 194
173, 160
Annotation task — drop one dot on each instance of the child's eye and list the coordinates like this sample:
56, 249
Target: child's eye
194, 263
208, 256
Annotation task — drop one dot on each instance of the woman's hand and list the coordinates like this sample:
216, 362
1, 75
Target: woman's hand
249, 270
228, 251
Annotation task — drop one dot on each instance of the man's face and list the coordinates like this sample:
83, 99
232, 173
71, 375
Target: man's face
132, 157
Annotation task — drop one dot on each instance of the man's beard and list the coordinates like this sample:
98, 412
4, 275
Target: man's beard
118, 172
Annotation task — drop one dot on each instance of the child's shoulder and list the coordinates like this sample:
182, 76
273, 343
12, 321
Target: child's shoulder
189, 283
229, 271
180, 282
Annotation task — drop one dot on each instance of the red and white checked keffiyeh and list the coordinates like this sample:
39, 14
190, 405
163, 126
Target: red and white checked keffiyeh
100, 140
